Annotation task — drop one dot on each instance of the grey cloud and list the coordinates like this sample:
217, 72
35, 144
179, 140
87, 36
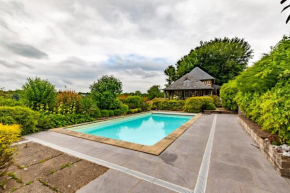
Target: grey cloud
142, 73
15, 64
26, 50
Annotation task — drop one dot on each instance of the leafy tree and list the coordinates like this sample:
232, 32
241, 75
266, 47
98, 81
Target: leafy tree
222, 58
134, 102
171, 73
105, 91
39, 92
154, 92
138, 93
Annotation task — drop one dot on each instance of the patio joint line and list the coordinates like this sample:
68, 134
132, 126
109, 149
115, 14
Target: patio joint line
122, 169
200, 186
21, 142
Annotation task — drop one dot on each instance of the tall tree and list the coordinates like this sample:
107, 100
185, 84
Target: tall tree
222, 58
105, 91
171, 73
154, 92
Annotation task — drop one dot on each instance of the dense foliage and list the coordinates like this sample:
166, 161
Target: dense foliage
217, 101
37, 91
228, 93
222, 58
154, 92
172, 105
23, 116
105, 91
10, 102
8, 135
134, 102
264, 91
198, 104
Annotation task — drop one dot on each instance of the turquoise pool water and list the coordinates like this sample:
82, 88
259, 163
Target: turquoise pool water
145, 129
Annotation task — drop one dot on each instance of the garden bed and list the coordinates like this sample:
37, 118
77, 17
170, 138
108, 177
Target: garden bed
281, 163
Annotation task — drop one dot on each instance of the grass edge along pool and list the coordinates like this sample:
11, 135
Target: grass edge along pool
144, 129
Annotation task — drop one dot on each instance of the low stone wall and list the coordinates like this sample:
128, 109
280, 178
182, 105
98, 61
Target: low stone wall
280, 162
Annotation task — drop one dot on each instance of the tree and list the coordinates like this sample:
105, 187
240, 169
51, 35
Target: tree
105, 91
154, 92
222, 58
283, 1
171, 73
39, 92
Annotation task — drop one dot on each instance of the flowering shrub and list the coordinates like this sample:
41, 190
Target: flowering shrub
23, 116
8, 135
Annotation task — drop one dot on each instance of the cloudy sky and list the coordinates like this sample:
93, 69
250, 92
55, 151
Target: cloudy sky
73, 43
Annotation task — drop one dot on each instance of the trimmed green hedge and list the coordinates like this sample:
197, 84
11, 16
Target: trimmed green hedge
59, 120
198, 104
23, 116
172, 105
111, 113
105, 113
228, 94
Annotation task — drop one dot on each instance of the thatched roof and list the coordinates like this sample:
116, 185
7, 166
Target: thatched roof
191, 81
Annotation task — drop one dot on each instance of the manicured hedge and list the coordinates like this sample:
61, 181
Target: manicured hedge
228, 94
59, 120
172, 105
23, 116
105, 113
111, 113
198, 104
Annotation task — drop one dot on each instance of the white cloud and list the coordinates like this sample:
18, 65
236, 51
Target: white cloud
72, 43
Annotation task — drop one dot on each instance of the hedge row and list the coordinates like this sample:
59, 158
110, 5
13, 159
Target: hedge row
172, 105
262, 92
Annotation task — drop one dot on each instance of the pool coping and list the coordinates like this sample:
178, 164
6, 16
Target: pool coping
155, 149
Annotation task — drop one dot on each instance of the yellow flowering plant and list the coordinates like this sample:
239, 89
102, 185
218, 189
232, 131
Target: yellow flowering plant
8, 135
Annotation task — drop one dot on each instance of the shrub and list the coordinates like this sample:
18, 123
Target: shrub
198, 104
105, 91
69, 101
134, 102
124, 109
8, 135
117, 112
89, 107
111, 113
23, 116
228, 94
105, 113
264, 91
10, 102
37, 91
59, 120
132, 111
217, 101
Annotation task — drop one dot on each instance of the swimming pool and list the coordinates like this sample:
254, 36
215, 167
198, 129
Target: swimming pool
146, 129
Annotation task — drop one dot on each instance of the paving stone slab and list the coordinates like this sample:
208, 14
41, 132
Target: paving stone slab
215, 185
10, 184
72, 178
112, 181
33, 153
144, 186
43, 169
235, 173
35, 187
143, 166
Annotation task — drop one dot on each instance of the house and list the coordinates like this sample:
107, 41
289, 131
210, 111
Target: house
195, 83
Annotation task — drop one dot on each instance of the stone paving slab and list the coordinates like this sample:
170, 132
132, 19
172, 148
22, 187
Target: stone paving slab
35, 187
111, 181
144, 186
64, 181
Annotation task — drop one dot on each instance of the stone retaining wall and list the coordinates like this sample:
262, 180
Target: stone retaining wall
280, 162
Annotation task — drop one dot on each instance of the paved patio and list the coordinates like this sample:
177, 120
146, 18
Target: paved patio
236, 165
